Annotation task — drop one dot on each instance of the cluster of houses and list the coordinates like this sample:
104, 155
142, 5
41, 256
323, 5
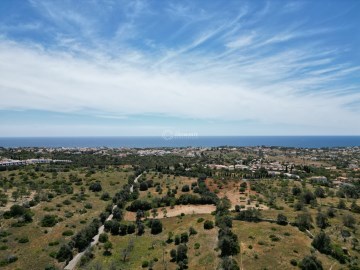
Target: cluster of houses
12, 162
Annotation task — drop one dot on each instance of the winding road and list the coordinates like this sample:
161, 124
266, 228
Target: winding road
72, 264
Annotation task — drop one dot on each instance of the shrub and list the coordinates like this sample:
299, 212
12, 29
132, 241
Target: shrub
64, 253
293, 262
349, 221
185, 188
208, 225
156, 226
131, 228
143, 186
184, 237
49, 221
23, 240
311, 263
68, 233
103, 238
88, 206
281, 219
95, 187
105, 196
192, 231
145, 264
196, 246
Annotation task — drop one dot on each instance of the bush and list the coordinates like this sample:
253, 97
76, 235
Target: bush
49, 221
88, 206
64, 253
192, 231
145, 264
23, 240
293, 262
105, 196
196, 246
281, 219
131, 228
68, 233
139, 205
143, 186
103, 238
208, 225
185, 188
311, 263
95, 187
349, 221
156, 226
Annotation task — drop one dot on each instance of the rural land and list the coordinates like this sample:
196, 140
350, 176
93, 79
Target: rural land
225, 208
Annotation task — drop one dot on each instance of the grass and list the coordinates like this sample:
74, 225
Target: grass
203, 258
35, 254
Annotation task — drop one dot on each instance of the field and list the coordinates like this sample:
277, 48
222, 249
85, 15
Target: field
262, 244
150, 247
44, 242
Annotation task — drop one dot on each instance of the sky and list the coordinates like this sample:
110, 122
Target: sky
142, 68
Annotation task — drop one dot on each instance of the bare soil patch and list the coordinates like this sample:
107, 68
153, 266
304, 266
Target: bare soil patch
176, 211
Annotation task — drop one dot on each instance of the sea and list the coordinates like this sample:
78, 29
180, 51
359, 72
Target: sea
187, 141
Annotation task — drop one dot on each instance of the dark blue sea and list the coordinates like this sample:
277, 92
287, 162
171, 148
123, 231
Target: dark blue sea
195, 141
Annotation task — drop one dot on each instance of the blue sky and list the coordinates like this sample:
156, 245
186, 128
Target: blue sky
120, 68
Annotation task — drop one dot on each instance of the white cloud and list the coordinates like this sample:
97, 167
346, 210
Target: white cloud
250, 79
37, 79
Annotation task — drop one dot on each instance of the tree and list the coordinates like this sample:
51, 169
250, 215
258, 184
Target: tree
140, 229
322, 243
228, 243
349, 221
3, 199
154, 212
341, 204
156, 226
308, 197
107, 246
192, 231
15, 195
354, 243
229, 263
95, 187
355, 208
49, 221
64, 253
185, 188
184, 237
281, 219
311, 263
331, 212
319, 192
181, 253
103, 238
117, 214
296, 190
303, 221
321, 220
223, 206
143, 186
208, 225
173, 255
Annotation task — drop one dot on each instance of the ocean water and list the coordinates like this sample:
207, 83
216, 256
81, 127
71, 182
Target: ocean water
196, 141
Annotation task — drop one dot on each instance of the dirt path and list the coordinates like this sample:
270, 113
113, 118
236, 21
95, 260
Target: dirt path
72, 264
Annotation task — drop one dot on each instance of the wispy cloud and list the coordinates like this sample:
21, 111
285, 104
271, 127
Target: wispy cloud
232, 68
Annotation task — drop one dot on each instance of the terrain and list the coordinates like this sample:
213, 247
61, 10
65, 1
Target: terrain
179, 212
